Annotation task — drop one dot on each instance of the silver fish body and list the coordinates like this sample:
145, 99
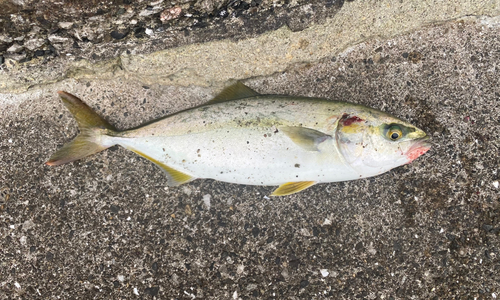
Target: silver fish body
247, 138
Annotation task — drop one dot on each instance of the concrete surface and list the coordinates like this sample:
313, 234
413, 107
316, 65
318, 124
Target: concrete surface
107, 227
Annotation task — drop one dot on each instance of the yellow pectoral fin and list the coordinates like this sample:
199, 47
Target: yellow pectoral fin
175, 177
307, 138
292, 188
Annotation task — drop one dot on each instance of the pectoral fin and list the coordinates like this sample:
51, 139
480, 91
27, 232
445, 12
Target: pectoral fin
307, 138
292, 188
234, 92
174, 176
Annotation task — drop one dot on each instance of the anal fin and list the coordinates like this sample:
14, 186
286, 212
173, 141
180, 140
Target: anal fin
292, 188
174, 176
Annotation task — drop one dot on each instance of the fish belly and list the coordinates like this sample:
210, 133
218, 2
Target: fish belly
255, 156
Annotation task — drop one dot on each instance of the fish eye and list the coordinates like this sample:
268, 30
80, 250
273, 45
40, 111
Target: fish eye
394, 133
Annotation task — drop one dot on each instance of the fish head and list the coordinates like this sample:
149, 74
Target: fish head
374, 142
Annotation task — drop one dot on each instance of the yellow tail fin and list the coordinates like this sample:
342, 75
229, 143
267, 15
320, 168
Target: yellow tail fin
92, 127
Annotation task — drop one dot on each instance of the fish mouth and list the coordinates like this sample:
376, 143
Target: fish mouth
420, 147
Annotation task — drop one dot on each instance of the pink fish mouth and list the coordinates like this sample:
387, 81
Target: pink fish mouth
418, 149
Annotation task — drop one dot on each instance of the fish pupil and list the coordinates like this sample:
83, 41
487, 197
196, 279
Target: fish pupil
395, 136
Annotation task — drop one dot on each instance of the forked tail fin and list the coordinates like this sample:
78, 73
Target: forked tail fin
92, 129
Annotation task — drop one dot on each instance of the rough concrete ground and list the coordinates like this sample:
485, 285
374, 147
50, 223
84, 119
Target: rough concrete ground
108, 227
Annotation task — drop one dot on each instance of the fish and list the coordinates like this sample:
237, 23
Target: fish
244, 137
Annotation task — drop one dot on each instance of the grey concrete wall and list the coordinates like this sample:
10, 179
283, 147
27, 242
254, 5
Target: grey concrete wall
108, 227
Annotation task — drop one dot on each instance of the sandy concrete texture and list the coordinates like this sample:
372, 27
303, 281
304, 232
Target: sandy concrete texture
108, 227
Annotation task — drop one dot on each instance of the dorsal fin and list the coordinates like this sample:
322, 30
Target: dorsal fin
233, 92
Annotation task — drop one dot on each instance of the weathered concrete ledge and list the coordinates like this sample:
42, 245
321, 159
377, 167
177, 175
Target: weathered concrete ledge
216, 62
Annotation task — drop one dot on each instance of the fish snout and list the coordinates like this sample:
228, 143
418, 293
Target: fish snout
419, 148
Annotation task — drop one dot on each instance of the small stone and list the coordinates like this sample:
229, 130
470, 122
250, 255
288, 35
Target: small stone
118, 35
65, 25
153, 291
487, 227
175, 279
49, 256
305, 232
98, 14
139, 32
34, 30
85, 34
371, 249
19, 38
255, 231
147, 12
34, 44
206, 200
170, 14
240, 269
15, 57
114, 209
187, 210
15, 48
324, 272
495, 184
5, 38
57, 39
223, 13
304, 283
